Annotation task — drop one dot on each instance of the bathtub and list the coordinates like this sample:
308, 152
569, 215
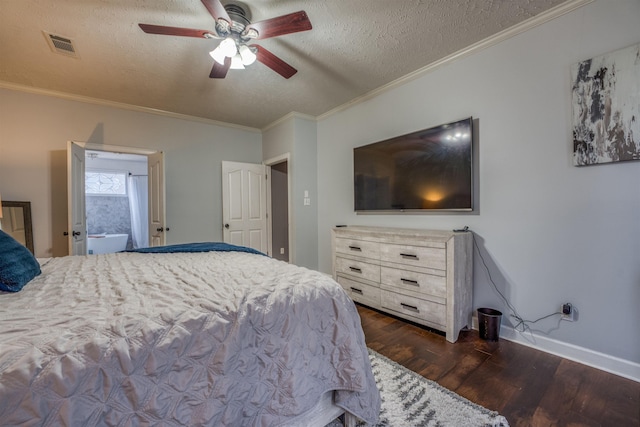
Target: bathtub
106, 243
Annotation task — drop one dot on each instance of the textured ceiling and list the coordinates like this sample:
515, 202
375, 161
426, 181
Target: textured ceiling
355, 46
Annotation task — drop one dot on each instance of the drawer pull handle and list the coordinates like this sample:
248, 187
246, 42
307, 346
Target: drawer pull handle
410, 307
355, 248
355, 269
412, 256
409, 282
356, 290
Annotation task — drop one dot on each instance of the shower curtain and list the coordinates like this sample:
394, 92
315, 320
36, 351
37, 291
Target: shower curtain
139, 207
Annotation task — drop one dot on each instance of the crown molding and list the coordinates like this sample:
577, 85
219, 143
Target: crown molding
508, 33
120, 105
291, 115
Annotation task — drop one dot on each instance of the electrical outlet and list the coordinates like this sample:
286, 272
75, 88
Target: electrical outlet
568, 312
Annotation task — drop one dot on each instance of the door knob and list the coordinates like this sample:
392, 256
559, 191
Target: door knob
226, 226
160, 229
76, 233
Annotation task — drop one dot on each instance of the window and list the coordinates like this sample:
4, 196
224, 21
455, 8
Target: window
106, 183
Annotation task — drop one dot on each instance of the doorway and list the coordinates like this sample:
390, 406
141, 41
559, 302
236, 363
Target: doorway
279, 187
116, 201
279, 208
77, 232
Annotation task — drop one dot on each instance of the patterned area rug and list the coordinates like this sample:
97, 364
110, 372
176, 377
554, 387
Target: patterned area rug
411, 400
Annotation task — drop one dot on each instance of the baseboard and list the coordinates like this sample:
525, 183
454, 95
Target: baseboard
604, 362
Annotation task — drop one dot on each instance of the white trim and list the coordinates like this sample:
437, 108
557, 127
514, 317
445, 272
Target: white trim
115, 148
121, 105
277, 159
604, 362
293, 114
537, 20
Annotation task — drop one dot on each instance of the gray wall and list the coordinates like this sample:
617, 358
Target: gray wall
549, 232
304, 168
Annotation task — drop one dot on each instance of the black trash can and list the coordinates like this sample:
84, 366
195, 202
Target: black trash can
489, 323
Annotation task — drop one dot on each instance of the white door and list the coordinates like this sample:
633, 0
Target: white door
244, 208
157, 228
77, 220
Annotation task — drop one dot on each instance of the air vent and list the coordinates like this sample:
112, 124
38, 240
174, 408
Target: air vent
60, 44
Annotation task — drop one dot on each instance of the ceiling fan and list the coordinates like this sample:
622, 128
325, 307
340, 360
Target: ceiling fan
234, 27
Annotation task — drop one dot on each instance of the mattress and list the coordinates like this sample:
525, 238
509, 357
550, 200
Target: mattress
214, 338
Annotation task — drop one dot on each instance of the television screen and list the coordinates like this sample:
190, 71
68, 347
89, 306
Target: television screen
426, 170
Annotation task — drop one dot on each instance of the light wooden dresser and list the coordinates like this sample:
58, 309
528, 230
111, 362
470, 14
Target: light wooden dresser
421, 275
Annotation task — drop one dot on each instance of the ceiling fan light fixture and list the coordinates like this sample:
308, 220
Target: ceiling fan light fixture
234, 29
228, 47
247, 55
218, 55
236, 63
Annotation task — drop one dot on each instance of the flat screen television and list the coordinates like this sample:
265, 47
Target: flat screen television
428, 170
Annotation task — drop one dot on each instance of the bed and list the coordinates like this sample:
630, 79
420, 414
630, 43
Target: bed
211, 338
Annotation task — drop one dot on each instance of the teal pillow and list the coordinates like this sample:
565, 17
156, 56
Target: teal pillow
17, 265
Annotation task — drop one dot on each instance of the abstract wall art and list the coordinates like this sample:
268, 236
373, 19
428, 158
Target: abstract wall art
606, 108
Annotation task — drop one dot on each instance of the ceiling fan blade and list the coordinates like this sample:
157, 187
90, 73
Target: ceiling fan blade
220, 71
217, 10
285, 24
173, 31
273, 62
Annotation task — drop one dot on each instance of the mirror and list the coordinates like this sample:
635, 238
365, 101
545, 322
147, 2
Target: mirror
16, 222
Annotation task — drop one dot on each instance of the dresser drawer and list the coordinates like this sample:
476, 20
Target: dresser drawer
360, 248
418, 256
409, 306
423, 283
358, 269
360, 292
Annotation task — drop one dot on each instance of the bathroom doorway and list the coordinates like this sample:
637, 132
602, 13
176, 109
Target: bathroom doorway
116, 195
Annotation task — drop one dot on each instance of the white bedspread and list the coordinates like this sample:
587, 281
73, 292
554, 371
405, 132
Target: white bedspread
189, 339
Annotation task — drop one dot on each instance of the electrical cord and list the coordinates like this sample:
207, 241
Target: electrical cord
521, 323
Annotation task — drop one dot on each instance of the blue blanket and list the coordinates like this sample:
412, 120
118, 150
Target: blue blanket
197, 247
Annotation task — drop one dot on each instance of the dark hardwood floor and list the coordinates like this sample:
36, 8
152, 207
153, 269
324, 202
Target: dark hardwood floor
529, 387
